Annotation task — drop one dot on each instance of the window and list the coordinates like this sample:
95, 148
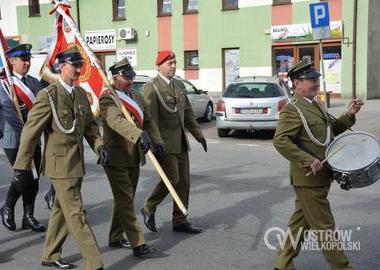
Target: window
281, 2
190, 6
230, 4
164, 7
34, 8
118, 7
191, 60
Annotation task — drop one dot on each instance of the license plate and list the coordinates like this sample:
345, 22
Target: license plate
251, 110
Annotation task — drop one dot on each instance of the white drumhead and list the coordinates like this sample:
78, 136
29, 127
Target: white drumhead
358, 150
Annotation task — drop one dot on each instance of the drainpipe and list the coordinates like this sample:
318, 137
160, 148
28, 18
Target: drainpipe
78, 15
355, 22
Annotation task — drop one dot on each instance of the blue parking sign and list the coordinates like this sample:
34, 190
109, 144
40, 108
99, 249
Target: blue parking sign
319, 14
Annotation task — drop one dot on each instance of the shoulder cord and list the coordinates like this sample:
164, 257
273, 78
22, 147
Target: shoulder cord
308, 131
55, 116
162, 101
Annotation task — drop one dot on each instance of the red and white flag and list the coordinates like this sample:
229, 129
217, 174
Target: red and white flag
65, 35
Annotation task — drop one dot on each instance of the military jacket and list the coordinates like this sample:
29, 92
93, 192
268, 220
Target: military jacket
63, 155
120, 136
293, 142
172, 126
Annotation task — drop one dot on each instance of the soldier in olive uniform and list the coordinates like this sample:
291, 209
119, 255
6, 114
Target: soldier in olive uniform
127, 144
19, 57
62, 112
170, 109
305, 130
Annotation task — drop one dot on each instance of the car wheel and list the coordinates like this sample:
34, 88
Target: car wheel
223, 132
209, 113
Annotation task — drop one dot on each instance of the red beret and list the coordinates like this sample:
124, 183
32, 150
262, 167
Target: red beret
162, 56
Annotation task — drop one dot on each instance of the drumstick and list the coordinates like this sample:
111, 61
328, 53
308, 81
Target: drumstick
331, 155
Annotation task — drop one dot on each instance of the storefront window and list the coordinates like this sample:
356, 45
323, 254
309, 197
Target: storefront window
284, 60
306, 54
332, 52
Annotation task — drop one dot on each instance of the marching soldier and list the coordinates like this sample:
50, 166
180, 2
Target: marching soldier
62, 112
127, 146
19, 57
170, 109
303, 133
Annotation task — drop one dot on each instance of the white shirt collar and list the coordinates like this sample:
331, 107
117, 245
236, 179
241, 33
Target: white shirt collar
68, 88
309, 100
164, 78
18, 75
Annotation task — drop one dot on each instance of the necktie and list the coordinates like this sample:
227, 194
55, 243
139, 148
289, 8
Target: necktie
23, 79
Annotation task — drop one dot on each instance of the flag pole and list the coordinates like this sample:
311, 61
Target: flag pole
95, 61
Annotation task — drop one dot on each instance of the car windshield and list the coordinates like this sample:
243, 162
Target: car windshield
138, 86
253, 90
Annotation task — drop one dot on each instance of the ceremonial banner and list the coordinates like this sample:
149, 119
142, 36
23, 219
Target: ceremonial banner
65, 36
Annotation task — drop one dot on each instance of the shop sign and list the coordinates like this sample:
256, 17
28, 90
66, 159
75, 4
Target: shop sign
130, 54
102, 40
301, 32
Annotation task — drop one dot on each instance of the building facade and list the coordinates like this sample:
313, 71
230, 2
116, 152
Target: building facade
217, 40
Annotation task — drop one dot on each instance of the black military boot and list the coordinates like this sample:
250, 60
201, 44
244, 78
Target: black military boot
29, 222
8, 217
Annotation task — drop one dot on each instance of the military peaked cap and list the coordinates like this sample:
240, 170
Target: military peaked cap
303, 70
21, 50
123, 67
71, 56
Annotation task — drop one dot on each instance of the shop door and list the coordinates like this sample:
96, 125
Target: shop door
285, 57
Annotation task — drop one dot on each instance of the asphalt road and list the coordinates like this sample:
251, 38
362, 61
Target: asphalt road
239, 190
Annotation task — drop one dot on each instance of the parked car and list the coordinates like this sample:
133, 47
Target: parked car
200, 102
251, 103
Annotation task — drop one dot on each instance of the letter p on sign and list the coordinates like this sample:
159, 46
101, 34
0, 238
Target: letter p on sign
319, 15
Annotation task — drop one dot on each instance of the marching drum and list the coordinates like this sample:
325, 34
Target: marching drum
355, 159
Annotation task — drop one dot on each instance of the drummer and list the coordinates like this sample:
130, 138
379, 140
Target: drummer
303, 133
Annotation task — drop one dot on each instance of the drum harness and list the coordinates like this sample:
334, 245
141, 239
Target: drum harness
308, 131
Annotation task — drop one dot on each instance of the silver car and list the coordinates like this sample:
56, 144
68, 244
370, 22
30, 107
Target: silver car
251, 103
200, 102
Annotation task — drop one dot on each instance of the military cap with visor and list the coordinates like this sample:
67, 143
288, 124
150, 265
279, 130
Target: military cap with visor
123, 68
304, 70
22, 50
71, 56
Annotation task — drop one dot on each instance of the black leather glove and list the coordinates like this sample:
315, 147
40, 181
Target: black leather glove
160, 152
145, 142
22, 179
103, 155
203, 142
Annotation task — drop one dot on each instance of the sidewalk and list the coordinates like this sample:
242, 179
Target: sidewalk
367, 120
